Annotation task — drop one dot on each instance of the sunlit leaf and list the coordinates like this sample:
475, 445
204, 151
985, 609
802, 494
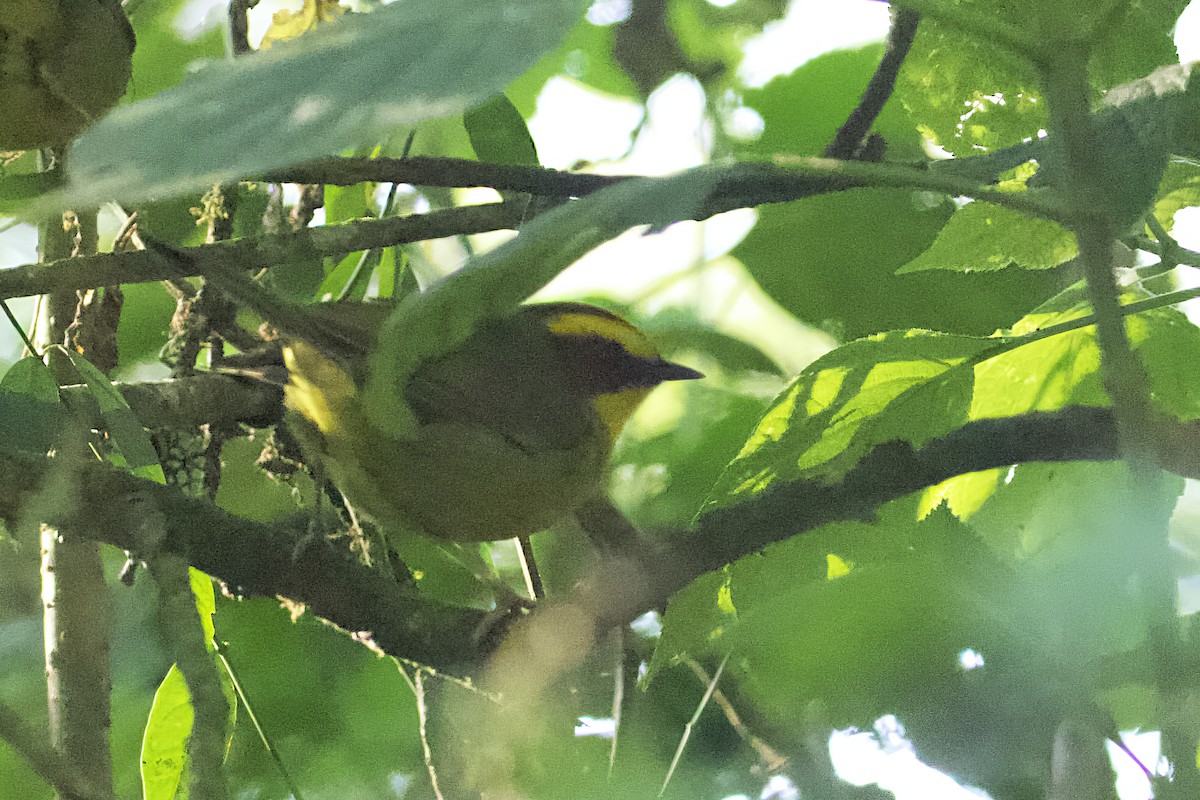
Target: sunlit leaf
328, 90
982, 237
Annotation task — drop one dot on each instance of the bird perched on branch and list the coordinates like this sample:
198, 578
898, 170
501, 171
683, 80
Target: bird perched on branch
515, 424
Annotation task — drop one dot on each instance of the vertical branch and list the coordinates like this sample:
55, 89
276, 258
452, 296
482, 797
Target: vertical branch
1065, 84
185, 635
1096, 224
74, 594
239, 26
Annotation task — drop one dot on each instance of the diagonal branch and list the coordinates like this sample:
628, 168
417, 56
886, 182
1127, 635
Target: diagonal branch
731, 187
51, 766
850, 137
282, 558
460, 173
257, 251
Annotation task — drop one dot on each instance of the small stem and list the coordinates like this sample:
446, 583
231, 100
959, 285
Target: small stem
184, 633
268, 745
857, 127
416, 683
1094, 220
1169, 249
1170, 252
1041, 203
29, 345
1067, 93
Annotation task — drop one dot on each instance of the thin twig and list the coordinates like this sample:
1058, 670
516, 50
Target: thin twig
12, 318
255, 252
268, 745
457, 173
529, 568
239, 26
773, 761
850, 137
618, 700
1176, 253
417, 684
691, 725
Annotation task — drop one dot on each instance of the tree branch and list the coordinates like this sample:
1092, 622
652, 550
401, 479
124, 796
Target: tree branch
737, 186
282, 558
50, 765
850, 137
202, 399
252, 559
457, 173
256, 251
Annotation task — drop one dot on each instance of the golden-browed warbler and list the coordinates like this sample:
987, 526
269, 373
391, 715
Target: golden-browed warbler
515, 425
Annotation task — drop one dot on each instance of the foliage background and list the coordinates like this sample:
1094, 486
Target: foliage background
850, 622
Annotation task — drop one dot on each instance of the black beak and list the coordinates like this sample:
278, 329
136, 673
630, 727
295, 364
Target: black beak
669, 371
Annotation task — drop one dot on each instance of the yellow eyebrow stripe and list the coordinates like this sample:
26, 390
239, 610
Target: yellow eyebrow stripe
604, 325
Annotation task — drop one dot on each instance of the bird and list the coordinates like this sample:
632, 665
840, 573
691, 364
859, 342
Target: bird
515, 425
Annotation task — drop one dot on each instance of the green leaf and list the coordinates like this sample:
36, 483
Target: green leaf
336, 87
164, 746
807, 254
389, 272
31, 378
1180, 189
206, 603
31, 416
350, 277
445, 572
345, 203
696, 621
916, 385
1136, 141
970, 94
984, 237
17, 191
1139, 123
889, 630
1134, 41
498, 133
126, 432
912, 385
